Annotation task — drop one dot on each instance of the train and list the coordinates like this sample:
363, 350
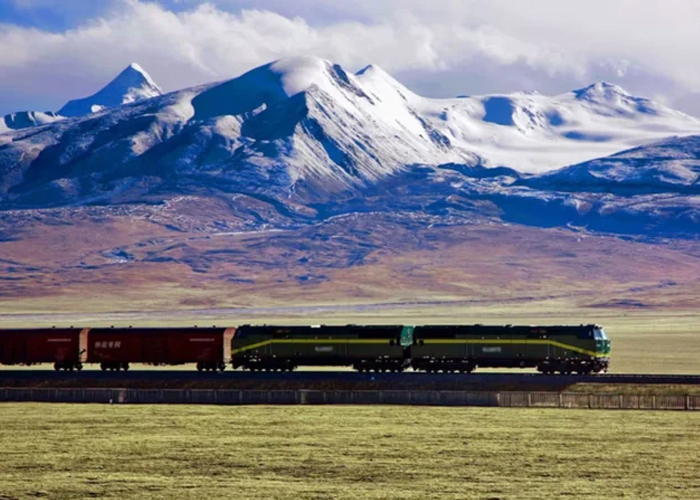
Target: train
579, 349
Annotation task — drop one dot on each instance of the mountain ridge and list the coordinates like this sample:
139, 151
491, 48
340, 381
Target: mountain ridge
304, 128
300, 140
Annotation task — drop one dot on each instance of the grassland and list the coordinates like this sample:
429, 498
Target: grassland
153, 452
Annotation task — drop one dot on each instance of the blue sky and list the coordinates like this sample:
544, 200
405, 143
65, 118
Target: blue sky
55, 50
47, 14
60, 15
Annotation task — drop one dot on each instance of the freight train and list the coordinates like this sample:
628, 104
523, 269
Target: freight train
582, 349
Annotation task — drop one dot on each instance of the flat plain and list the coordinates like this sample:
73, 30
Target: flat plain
153, 452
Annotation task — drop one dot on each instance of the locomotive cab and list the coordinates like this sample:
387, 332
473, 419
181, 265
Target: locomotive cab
602, 347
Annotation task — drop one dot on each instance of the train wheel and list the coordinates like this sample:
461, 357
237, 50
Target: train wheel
56, 367
199, 367
125, 367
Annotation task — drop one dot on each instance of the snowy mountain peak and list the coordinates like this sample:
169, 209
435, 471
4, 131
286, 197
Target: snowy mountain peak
374, 71
298, 74
601, 91
608, 99
377, 75
135, 76
282, 80
133, 84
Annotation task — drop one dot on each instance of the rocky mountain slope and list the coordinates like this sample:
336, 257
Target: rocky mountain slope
672, 166
27, 119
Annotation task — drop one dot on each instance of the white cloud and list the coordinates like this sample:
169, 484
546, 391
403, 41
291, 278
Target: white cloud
439, 48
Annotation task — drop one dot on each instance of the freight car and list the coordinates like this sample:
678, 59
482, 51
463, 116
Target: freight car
117, 348
379, 348
564, 349
60, 346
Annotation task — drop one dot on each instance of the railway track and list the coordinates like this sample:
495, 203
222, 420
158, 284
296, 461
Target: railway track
408, 378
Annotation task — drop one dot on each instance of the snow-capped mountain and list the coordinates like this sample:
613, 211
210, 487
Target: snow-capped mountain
298, 172
131, 85
671, 165
649, 190
27, 119
303, 128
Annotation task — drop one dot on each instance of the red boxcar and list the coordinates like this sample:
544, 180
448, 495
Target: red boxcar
60, 346
116, 348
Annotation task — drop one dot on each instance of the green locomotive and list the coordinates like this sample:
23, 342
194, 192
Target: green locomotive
580, 349
379, 348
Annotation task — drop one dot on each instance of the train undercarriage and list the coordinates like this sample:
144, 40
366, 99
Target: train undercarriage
573, 366
393, 365
547, 366
211, 367
67, 366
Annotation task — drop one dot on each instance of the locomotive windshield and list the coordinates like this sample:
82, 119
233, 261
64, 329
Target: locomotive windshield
599, 334
407, 336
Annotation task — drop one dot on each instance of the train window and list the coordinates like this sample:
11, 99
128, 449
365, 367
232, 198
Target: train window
406, 337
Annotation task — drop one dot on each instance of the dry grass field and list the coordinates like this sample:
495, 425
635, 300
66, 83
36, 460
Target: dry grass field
164, 452
126, 264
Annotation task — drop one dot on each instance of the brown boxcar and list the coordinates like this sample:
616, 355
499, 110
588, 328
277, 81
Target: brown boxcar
60, 346
116, 348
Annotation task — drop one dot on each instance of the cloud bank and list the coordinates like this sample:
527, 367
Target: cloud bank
440, 48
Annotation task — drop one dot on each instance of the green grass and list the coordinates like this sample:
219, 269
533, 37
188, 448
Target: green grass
71, 451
